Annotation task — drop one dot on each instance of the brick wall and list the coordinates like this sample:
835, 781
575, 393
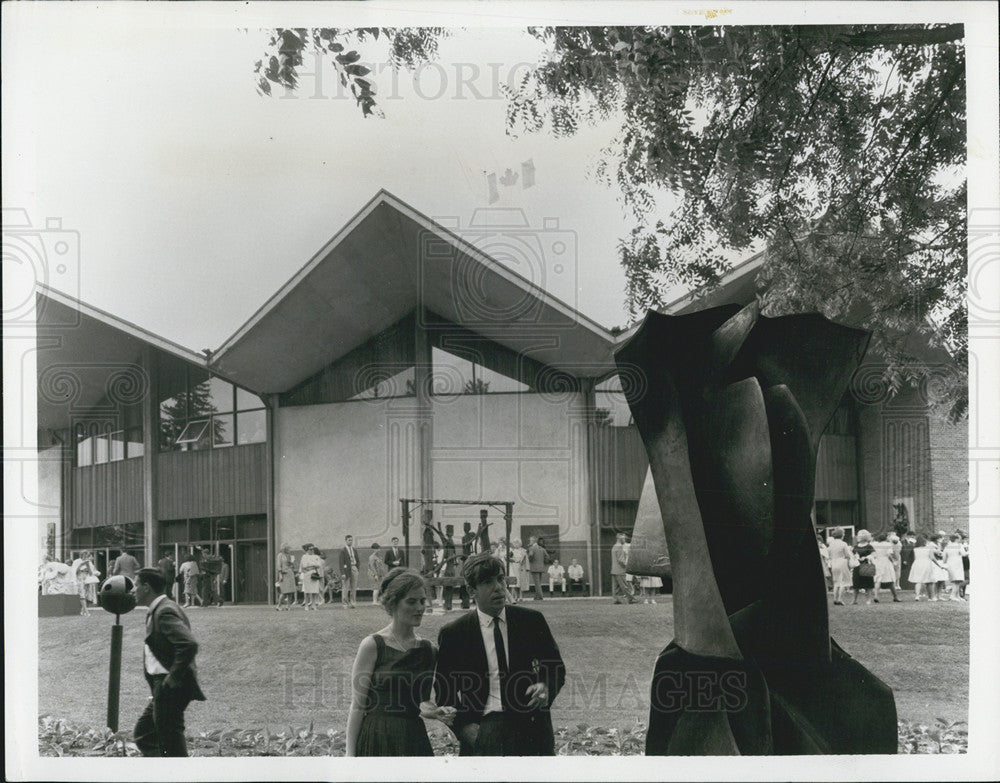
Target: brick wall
950, 473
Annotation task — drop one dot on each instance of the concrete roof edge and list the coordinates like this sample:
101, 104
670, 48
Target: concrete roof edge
122, 325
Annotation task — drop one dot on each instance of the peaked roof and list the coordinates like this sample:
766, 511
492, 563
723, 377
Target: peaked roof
82, 350
388, 261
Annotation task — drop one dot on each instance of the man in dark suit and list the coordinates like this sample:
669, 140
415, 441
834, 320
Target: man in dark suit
348, 572
500, 668
169, 668
394, 555
125, 565
169, 570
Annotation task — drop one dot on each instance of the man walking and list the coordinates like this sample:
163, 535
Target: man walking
211, 567
125, 565
536, 564
169, 571
348, 572
168, 657
500, 668
619, 560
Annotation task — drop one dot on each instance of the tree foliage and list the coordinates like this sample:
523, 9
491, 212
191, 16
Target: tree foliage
838, 151
286, 47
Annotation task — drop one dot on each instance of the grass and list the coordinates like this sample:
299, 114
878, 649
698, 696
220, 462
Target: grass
261, 668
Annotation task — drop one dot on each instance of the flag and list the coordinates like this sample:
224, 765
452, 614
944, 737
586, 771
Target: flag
527, 174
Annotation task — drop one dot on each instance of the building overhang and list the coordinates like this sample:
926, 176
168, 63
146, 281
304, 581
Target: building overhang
88, 359
387, 262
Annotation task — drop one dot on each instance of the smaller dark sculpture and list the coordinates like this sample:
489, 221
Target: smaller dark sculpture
732, 418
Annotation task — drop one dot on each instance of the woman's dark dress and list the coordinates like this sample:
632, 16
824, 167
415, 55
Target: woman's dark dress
863, 582
392, 725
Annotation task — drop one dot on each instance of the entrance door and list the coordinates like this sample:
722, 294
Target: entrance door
250, 572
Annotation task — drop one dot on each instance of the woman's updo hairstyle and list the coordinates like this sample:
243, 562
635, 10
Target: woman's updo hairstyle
397, 584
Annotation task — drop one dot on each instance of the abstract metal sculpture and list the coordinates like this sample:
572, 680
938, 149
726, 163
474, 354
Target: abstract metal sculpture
731, 413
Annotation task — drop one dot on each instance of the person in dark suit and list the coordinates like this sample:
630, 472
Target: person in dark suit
394, 555
169, 667
348, 572
125, 565
169, 570
500, 668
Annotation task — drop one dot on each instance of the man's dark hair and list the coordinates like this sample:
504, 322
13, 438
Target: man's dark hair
481, 568
153, 577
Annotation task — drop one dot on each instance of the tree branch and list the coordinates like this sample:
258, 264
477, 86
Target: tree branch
894, 35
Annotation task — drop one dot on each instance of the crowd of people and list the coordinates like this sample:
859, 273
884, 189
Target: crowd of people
312, 579
937, 565
495, 670
318, 579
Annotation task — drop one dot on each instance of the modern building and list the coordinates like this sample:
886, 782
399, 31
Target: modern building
402, 361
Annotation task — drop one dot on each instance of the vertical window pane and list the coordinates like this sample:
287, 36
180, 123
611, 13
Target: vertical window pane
117, 446
134, 447
201, 529
222, 430
251, 426
100, 450
220, 395
200, 401
610, 405
85, 452
224, 528
173, 416
247, 400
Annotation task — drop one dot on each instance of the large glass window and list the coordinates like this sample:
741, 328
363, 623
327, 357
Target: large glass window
610, 406
455, 374
204, 413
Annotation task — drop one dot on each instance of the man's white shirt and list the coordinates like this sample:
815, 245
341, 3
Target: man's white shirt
153, 666
493, 702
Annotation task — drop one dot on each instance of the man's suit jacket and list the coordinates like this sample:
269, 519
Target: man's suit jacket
345, 561
618, 559
170, 640
536, 558
463, 671
168, 569
393, 560
126, 565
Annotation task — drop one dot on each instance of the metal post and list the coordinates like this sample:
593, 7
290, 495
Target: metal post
508, 520
115, 673
406, 529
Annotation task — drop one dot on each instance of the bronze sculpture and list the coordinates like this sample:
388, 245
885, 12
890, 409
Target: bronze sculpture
731, 416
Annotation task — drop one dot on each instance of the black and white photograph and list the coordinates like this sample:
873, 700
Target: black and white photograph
392, 386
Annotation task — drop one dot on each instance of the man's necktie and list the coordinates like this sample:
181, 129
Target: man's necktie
501, 661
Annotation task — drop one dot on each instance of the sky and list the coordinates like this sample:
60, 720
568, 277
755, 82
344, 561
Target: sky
195, 198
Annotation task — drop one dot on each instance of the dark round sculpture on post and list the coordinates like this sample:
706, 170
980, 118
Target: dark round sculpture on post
116, 596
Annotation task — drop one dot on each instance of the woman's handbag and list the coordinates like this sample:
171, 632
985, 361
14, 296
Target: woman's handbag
854, 561
866, 569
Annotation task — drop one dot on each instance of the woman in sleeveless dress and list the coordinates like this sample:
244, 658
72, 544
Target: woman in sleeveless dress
953, 563
393, 677
885, 571
924, 571
840, 555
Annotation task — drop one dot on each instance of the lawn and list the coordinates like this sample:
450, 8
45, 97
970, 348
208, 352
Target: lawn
263, 668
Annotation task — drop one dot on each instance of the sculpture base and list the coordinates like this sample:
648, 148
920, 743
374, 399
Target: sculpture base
58, 605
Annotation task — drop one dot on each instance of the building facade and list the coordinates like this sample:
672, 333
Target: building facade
402, 361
